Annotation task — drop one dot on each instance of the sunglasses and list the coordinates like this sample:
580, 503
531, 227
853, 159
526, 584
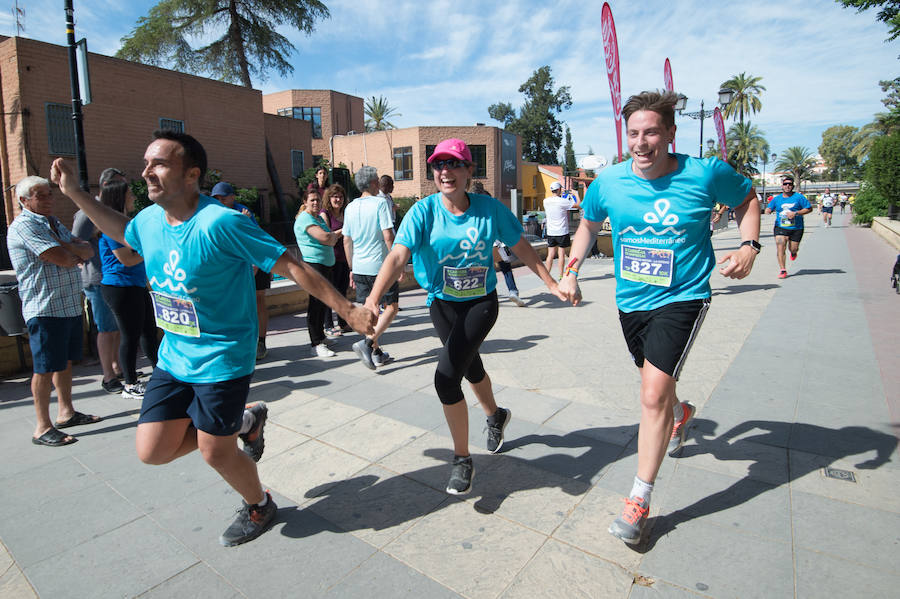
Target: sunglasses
787, 183
448, 163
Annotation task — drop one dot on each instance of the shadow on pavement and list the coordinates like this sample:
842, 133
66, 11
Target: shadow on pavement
735, 289
818, 271
827, 444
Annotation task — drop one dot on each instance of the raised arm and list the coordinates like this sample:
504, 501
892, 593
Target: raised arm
104, 218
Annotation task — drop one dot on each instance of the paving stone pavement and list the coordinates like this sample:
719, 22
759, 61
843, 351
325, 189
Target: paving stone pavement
790, 377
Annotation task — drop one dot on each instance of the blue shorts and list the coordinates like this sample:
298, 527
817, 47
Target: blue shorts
828, 209
103, 316
214, 408
55, 342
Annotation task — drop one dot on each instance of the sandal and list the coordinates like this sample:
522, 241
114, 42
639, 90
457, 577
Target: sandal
54, 438
79, 419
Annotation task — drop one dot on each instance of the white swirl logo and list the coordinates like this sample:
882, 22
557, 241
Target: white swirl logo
662, 207
172, 270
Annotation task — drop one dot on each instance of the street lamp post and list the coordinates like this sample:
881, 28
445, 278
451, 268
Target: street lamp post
725, 97
765, 159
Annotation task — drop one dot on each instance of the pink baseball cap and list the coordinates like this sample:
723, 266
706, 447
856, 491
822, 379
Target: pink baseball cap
451, 148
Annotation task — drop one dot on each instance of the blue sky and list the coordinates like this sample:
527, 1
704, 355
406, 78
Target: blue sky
443, 62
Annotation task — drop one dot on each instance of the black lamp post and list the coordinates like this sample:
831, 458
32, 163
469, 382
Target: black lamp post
725, 97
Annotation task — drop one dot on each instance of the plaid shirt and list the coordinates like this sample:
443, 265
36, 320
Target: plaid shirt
45, 289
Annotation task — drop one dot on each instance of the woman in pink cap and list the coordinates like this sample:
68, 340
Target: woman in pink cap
450, 235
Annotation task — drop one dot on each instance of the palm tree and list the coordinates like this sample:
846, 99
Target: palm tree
378, 112
798, 160
746, 146
746, 95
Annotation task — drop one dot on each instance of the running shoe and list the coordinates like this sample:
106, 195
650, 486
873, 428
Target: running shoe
323, 351
782, 274
514, 298
135, 391
251, 521
333, 333
113, 386
630, 525
381, 358
495, 427
363, 349
679, 430
261, 350
793, 255
461, 475
254, 441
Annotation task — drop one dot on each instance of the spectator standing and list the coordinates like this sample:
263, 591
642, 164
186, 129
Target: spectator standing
124, 287
556, 214
91, 274
333, 212
46, 256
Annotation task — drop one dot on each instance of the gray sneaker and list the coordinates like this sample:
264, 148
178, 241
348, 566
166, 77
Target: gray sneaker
135, 391
495, 429
251, 521
254, 441
363, 350
381, 357
514, 298
680, 429
461, 475
630, 525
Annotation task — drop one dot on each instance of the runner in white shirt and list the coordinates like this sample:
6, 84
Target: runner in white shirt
556, 210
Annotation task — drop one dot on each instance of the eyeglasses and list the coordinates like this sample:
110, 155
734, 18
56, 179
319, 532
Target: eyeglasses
448, 163
787, 183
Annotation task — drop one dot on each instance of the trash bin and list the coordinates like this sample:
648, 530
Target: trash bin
11, 321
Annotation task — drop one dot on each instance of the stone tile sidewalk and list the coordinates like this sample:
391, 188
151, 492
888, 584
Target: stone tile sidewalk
790, 377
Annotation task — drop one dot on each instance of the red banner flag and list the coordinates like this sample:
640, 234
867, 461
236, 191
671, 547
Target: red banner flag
720, 129
670, 85
611, 49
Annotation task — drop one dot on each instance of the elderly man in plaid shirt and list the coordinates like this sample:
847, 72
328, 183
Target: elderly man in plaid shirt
46, 256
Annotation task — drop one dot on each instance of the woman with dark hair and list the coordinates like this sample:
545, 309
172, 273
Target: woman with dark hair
124, 287
449, 235
321, 182
333, 204
316, 242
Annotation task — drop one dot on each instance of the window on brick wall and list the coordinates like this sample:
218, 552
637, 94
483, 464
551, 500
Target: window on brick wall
403, 168
317, 159
60, 131
296, 163
171, 125
479, 157
306, 113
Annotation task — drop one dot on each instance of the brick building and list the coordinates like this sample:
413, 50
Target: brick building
402, 153
130, 101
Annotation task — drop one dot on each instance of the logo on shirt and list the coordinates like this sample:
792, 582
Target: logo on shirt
472, 243
659, 216
173, 272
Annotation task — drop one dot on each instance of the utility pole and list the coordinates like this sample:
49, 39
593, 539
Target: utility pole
77, 116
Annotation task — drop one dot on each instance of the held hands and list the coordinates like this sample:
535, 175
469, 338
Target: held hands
568, 290
361, 319
739, 263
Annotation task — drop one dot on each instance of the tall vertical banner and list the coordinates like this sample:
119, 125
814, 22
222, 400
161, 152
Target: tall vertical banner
670, 85
611, 49
720, 130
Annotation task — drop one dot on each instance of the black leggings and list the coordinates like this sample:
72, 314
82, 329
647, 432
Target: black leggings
462, 327
315, 311
133, 310
340, 278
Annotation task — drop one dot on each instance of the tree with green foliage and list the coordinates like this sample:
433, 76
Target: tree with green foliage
746, 146
247, 43
836, 150
883, 167
569, 151
378, 111
536, 120
747, 91
799, 161
885, 123
889, 13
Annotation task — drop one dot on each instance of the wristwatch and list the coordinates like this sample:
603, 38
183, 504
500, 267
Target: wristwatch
752, 243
